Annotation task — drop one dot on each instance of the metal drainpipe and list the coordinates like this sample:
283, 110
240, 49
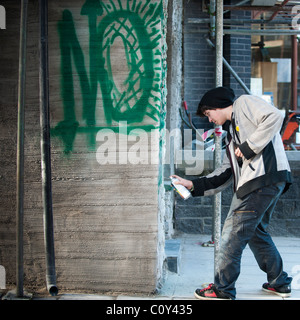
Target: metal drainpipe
20, 151
45, 150
212, 9
218, 140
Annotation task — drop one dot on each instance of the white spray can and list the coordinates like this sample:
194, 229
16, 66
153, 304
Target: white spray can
182, 191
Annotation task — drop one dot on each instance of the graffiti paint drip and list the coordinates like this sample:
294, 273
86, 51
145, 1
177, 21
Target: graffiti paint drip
130, 87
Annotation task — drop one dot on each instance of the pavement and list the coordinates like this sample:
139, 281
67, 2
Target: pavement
197, 267
195, 270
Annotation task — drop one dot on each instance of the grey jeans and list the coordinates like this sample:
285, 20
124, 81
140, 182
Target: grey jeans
246, 223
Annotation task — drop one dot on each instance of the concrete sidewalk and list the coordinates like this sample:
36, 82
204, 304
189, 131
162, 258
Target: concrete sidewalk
196, 266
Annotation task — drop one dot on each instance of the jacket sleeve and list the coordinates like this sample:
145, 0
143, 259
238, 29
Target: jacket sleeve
267, 120
215, 182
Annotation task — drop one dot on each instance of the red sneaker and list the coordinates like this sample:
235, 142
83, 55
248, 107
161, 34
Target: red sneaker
211, 293
284, 291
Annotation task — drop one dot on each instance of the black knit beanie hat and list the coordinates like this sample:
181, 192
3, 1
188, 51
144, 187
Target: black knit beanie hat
220, 97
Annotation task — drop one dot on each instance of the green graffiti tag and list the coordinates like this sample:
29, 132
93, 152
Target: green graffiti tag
128, 29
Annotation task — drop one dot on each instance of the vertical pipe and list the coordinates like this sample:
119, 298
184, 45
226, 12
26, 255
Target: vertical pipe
294, 72
218, 140
212, 12
20, 150
45, 150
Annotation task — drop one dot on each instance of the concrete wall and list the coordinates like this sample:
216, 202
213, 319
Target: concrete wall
107, 111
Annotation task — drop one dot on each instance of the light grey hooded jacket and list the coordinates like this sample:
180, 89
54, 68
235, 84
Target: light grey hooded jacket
254, 128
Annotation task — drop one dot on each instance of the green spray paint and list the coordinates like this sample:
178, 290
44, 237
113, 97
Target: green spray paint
134, 24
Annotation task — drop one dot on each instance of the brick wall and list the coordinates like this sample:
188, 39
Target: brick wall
195, 215
199, 58
237, 52
198, 68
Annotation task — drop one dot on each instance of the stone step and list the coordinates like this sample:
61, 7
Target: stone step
173, 252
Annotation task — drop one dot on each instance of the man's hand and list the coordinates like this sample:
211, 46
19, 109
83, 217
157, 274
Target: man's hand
238, 152
184, 182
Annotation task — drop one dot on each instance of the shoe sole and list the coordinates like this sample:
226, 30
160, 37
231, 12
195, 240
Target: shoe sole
207, 298
283, 295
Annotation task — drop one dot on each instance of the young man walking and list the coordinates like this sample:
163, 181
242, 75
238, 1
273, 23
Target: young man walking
256, 163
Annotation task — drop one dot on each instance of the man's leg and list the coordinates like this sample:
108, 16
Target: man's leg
240, 226
231, 248
266, 253
268, 258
